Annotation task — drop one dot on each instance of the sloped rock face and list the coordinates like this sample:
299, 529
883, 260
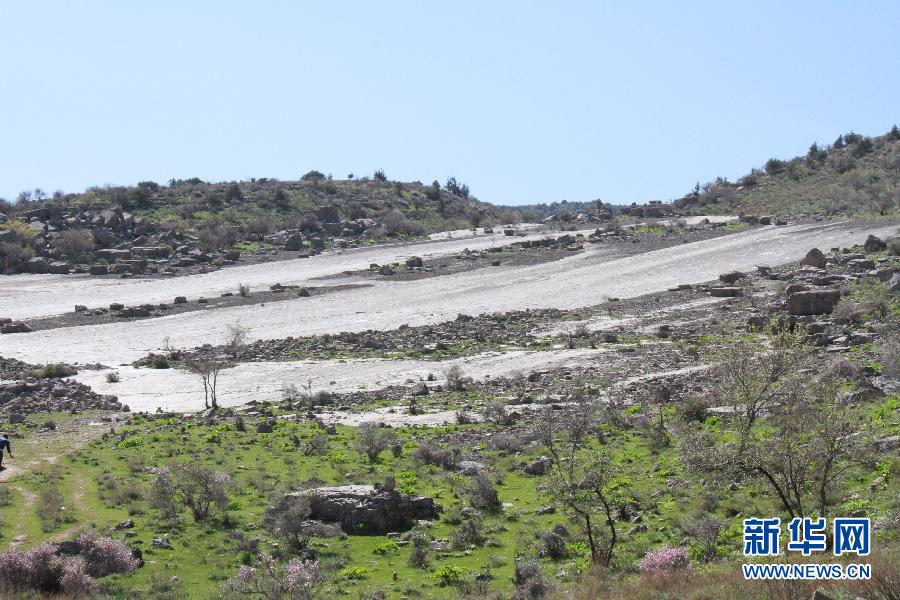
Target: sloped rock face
363, 509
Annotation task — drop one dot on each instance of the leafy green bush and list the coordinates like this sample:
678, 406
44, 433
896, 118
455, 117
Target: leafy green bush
447, 574
354, 573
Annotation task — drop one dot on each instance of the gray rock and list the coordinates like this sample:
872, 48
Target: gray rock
179, 300
112, 254
154, 252
726, 292
874, 244
37, 264
815, 258
60, 267
362, 508
15, 327
731, 278
294, 242
813, 302
538, 467
414, 262
99, 270
894, 283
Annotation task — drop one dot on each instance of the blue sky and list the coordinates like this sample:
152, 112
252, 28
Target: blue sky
524, 101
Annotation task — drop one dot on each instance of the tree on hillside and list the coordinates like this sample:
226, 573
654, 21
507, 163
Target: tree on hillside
783, 423
581, 474
207, 362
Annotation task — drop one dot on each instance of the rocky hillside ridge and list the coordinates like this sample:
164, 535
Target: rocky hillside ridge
855, 175
190, 225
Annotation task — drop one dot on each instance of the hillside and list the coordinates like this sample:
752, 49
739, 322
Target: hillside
855, 175
212, 223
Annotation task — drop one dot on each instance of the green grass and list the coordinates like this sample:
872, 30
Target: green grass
94, 482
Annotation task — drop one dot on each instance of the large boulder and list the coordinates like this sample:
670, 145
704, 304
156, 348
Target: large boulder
874, 244
37, 264
813, 302
815, 258
294, 242
362, 508
59, 267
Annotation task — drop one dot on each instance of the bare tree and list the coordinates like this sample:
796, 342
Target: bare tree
786, 425
207, 363
581, 473
199, 488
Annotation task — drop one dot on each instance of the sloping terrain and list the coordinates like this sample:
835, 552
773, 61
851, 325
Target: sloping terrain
855, 175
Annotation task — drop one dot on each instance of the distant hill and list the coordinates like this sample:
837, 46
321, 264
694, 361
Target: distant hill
401, 208
192, 223
854, 176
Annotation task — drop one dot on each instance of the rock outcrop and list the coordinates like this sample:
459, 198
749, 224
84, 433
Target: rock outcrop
362, 508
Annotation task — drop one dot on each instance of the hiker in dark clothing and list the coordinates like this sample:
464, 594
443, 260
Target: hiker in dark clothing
4, 445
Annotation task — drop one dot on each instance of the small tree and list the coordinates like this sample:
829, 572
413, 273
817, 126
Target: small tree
371, 440
785, 424
581, 477
161, 495
380, 176
199, 488
207, 364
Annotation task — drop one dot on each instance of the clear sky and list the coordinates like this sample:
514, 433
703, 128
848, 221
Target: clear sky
524, 101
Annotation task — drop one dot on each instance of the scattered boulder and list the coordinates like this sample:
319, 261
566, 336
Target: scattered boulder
813, 302
294, 243
538, 467
726, 292
815, 258
731, 278
59, 267
414, 262
37, 264
874, 244
15, 327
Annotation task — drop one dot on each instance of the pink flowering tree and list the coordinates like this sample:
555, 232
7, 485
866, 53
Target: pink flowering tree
667, 560
297, 580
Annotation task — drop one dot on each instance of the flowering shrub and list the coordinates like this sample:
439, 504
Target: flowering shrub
665, 560
75, 581
298, 580
41, 570
105, 556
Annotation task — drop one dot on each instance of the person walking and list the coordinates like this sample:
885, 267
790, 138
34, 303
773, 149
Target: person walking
4, 445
